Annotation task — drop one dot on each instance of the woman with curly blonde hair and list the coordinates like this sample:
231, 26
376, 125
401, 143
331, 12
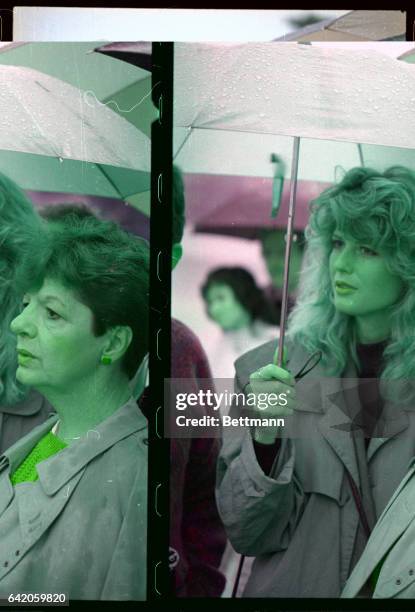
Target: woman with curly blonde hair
303, 498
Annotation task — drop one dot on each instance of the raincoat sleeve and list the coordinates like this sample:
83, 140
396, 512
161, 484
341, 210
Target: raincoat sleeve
259, 512
126, 577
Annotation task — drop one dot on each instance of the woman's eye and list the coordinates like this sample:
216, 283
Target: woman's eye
336, 243
367, 251
24, 304
52, 314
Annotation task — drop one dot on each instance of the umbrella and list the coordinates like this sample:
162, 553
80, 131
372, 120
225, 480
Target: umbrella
354, 26
68, 145
136, 53
125, 88
240, 206
236, 104
409, 56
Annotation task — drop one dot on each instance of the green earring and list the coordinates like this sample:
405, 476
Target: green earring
106, 360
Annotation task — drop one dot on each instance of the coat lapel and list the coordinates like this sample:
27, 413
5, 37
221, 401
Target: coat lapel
14, 456
19, 451
58, 469
336, 426
393, 522
392, 422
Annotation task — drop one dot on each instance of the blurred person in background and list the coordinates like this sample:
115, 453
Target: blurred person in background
197, 536
21, 409
236, 303
273, 252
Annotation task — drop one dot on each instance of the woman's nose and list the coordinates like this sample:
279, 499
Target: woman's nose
214, 310
22, 325
345, 260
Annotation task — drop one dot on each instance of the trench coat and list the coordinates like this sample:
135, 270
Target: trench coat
17, 420
81, 528
301, 521
394, 536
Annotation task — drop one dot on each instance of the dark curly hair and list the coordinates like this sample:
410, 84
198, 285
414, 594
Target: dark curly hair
108, 270
246, 291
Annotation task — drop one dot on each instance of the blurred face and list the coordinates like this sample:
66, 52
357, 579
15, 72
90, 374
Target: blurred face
362, 284
55, 343
224, 308
273, 251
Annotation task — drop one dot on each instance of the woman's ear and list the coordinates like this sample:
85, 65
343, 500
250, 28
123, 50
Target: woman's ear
119, 339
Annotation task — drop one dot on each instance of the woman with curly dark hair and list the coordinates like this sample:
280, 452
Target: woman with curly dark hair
73, 491
236, 303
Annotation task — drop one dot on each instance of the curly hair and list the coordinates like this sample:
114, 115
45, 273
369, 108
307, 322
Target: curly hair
18, 222
246, 291
377, 209
107, 269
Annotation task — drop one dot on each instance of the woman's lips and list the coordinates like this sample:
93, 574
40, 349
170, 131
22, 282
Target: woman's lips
343, 288
24, 353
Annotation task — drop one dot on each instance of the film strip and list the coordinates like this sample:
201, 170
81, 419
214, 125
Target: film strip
160, 285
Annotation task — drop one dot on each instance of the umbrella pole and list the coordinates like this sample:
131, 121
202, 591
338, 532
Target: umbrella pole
289, 238
291, 212
359, 148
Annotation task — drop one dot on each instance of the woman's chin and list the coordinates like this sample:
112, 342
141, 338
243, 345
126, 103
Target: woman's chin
24, 376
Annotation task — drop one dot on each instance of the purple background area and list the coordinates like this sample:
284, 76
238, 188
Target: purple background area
242, 205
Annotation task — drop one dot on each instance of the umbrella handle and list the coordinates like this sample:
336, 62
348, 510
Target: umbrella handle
277, 183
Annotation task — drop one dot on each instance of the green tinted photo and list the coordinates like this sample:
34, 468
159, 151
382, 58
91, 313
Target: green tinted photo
74, 299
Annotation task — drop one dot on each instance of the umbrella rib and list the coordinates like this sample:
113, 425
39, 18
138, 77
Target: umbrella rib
111, 182
184, 141
48, 142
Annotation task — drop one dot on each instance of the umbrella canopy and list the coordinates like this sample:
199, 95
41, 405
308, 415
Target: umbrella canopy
257, 92
354, 26
69, 145
295, 90
240, 206
236, 104
125, 88
409, 56
136, 53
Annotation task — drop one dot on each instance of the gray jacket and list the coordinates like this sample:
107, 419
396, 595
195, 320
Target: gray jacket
301, 521
81, 528
19, 419
393, 536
